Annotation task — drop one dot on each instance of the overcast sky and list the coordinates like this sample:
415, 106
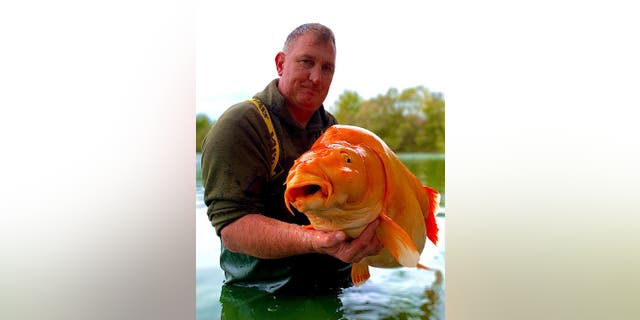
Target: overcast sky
379, 45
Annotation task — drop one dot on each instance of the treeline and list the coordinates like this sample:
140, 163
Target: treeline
203, 124
408, 121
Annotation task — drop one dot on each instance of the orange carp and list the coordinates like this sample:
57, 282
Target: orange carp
349, 178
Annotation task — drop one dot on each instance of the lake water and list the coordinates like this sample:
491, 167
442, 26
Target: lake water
400, 293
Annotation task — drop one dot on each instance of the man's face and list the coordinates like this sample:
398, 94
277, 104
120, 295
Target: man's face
306, 70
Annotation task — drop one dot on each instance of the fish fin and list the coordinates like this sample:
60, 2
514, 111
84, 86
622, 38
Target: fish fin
397, 241
433, 197
359, 273
422, 266
308, 227
438, 273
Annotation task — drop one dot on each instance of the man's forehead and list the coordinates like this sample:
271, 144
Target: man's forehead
322, 53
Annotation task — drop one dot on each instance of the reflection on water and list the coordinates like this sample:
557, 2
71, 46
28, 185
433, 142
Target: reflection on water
429, 168
247, 303
401, 293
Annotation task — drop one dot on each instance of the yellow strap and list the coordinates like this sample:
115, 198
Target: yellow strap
275, 149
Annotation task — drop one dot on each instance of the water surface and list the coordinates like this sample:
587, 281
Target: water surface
400, 293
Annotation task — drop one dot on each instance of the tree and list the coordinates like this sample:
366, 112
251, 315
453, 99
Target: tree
408, 121
433, 130
348, 105
203, 124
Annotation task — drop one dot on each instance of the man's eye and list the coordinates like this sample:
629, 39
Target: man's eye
307, 63
327, 69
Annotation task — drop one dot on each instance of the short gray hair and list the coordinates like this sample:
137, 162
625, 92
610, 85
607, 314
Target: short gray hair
323, 34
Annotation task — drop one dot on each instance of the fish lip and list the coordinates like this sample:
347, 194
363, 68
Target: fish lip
301, 187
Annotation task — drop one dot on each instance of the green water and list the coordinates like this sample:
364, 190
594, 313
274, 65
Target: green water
401, 293
429, 168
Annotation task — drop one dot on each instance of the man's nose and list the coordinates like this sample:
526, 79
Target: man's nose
315, 75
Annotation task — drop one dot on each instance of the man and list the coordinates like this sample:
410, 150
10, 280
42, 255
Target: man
263, 245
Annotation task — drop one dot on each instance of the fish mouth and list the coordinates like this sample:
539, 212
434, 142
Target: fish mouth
307, 192
309, 189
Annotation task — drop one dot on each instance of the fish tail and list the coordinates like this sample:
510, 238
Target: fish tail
433, 197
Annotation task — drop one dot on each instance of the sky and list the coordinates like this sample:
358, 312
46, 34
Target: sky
379, 45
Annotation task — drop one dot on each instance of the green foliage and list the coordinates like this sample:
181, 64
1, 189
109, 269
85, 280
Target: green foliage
203, 124
408, 121
347, 106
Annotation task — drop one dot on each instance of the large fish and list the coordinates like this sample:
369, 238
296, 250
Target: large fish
349, 178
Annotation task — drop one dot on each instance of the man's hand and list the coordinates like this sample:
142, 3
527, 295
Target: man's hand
268, 238
336, 244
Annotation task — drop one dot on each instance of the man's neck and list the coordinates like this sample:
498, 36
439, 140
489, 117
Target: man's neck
300, 116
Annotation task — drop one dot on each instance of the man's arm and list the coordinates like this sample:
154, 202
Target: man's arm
268, 238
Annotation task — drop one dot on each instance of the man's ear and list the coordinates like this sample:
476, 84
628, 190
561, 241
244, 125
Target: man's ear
280, 62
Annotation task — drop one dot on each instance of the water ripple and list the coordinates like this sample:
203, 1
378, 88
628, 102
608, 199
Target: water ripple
396, 294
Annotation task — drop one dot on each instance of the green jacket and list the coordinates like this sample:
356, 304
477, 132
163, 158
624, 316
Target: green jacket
236, 163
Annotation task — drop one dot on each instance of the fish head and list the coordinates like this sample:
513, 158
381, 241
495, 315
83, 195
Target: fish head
336, 185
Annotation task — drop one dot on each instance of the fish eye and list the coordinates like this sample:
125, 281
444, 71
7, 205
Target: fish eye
346, 157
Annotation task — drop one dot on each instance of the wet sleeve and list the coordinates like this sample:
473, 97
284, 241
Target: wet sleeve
235, 166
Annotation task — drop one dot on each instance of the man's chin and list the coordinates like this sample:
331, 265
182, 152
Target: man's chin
309, 103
